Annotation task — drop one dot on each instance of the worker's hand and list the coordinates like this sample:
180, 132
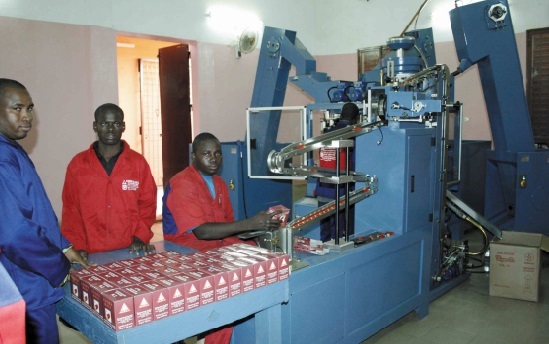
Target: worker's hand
75, 257
139, 246
83, 253
265, 221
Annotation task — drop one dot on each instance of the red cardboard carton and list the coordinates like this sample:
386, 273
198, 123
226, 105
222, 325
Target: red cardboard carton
247, 275
191, 290
206, 285
76, 288
169, 261
142, 304
283, 265
126, 272
170, 254
258, 268
153, 275
110, 276
122, 282
282, 216
118, 309
221, 281
272, 270
138, 278
85, 284
96, 291
97, 269
142, 268
176, 293
160, 299
114, 266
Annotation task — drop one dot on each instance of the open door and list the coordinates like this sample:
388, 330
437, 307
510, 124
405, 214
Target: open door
176, 109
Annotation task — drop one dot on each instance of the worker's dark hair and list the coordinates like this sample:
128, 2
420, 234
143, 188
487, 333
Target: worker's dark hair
349, 112
9, 83
202, 137
108, 107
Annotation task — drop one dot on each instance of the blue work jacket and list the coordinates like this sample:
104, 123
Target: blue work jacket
31, 243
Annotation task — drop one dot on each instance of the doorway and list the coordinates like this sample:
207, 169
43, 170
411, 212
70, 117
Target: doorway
139, 87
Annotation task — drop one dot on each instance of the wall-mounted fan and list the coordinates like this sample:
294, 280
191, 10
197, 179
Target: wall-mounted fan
246, 42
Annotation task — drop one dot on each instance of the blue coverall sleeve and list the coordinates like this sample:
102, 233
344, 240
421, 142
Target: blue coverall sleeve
24, 242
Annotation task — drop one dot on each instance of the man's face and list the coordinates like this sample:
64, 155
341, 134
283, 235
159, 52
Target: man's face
109, 127
208, 157
16, 113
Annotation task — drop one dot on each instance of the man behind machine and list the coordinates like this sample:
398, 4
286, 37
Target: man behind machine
109, 195
32, 249
327, 192
197, 211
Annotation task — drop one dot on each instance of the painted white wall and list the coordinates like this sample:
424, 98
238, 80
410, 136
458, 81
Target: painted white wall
69, 70
327, 26
342, 26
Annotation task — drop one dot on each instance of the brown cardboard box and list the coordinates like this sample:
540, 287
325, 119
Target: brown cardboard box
515, 264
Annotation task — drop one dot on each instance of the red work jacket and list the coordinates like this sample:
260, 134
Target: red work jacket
102, 212
192, 205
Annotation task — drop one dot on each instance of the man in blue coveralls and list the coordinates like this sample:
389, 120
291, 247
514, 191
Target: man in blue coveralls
32, 249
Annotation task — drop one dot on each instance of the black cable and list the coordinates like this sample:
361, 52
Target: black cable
328, 93
380, 140
476, 266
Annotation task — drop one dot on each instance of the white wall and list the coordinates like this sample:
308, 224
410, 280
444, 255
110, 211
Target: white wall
68, 70
327, 26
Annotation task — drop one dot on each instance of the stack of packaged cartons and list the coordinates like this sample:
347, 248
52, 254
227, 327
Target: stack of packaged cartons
140, 290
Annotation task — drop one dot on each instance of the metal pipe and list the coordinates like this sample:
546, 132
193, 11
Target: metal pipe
444, 132
347, 195
275, 160
457, 146
338, 174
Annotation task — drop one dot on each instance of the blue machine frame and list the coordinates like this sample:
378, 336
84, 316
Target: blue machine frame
517, 187
348, 295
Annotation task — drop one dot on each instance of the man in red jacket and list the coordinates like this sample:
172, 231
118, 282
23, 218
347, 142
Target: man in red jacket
197, 211
109, 195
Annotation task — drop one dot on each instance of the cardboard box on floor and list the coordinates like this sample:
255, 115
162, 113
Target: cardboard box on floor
515, 264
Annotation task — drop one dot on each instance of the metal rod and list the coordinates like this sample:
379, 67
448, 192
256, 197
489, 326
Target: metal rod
414, 17
346, 219
338, 173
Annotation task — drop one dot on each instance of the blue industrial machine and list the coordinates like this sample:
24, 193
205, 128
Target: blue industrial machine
517, 187
410, 130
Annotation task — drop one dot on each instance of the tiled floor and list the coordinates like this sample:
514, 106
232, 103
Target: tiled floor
464, 315
468, 315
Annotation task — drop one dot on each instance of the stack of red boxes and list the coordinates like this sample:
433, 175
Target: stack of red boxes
137, 291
